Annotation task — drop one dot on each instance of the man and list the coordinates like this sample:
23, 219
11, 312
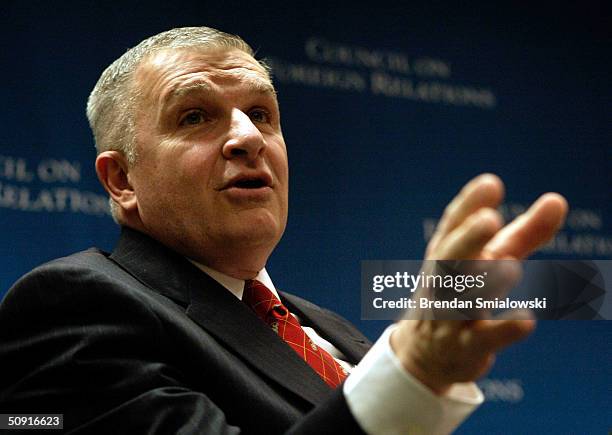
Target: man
154, 338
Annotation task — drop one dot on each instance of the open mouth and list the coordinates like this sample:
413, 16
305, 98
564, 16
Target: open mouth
255, 181
250, 183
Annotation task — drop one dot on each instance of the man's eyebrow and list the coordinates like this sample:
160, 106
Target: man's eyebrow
261, 87
182, 91
253, 86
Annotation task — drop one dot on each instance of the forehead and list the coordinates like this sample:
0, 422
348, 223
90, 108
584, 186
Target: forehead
172, 72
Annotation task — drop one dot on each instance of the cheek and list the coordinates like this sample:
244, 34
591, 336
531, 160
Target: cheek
279, 160
197, 164
186, 174
172, 181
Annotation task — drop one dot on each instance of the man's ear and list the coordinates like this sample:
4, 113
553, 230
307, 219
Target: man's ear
112, 169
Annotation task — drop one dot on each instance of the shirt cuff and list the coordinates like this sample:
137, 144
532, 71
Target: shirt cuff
385, 399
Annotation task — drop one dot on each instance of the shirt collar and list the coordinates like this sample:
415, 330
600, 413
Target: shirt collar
235, 285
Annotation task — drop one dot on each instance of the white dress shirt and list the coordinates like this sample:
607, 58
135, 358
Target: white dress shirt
383, 397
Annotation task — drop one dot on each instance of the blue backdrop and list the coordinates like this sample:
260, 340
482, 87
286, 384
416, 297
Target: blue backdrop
387, 111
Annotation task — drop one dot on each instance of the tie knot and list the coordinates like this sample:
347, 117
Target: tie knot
261, 300
269, 309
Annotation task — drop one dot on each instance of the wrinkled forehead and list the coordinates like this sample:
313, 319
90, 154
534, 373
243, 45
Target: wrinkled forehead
166, 71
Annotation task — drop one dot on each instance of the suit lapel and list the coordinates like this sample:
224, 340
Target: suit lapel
218, 312
241, 330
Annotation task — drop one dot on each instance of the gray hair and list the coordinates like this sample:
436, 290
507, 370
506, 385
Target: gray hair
112, 104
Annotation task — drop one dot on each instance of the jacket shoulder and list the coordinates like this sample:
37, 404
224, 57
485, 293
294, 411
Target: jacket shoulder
84, 282
72, 267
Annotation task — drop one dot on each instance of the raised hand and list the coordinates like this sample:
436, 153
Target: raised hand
442, 352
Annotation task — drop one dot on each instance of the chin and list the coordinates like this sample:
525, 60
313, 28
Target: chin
264, 230
261, 220
257, 235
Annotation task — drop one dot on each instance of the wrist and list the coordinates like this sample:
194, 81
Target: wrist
404, 348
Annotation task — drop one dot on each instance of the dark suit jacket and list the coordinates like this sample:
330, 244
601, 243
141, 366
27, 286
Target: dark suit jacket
142, 341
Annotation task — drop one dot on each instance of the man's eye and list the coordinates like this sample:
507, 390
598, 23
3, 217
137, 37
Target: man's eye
259, 115
193, 118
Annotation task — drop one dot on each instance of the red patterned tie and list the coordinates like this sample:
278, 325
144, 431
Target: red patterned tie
277, 316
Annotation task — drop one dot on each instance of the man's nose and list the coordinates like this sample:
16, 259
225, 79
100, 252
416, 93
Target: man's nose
244, 138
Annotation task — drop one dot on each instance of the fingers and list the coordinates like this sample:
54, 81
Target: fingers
486, 190
468, 239
494, 335
530, 230
518, 314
